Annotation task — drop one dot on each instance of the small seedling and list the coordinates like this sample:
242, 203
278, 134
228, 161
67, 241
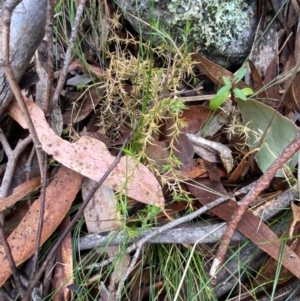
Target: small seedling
229, 88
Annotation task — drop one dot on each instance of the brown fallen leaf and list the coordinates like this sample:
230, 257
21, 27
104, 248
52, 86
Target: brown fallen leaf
296, 219
195, 117
85, 107
213, 71
258, 83
292, 99
250, 225
268, 272
91, 158
63, 275
60, 194
236, 174
19, 192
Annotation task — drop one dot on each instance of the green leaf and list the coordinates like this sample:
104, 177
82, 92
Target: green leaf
247, 91
257, 116
226, 80
218, 100
239, 75
239, 93
224, 90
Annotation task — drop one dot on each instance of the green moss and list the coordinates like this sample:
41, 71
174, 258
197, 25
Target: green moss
214, 22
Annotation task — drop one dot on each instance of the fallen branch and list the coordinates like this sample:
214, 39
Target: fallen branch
189, 233
257, 188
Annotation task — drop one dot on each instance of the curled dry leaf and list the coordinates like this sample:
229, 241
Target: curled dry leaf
224, 151
91, 158
60, 194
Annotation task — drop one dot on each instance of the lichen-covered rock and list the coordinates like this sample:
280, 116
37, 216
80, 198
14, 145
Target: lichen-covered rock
221, 30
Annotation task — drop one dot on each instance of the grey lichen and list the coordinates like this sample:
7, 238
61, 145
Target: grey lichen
221, 30
214, 23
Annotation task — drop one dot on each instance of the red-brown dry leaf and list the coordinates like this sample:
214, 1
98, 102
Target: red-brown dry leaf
273, 90
195, 117
60, 194
213, 71
193, 172
268, 272
92, 159
19, 192
236, 174
250, 225
296, 219
258, 83
158, 152
182, 146
92, 69
212, 171
292, 99
84, 107
63, 275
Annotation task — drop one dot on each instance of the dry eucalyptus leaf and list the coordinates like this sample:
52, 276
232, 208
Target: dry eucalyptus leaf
19, 192
101, 212
60, 194
92, 159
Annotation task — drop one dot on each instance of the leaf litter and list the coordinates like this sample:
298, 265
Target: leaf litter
162, 175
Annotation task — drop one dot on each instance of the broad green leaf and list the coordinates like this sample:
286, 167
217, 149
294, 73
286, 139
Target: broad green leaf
238, 93
256, 116
218, 100
223, 90
247, 91
239, 75
226, 80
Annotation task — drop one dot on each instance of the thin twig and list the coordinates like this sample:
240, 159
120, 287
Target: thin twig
139, 244
43, 171
12, 158
11, 263
257, 188
28, 164
49, 35
69, 51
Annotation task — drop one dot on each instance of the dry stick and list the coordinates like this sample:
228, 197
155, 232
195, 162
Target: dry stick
257, 188
12, 158
43, 171
49, 35
6, 294
38, 275
11, 263
68, 55
140, 243
29, 163
9, 6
